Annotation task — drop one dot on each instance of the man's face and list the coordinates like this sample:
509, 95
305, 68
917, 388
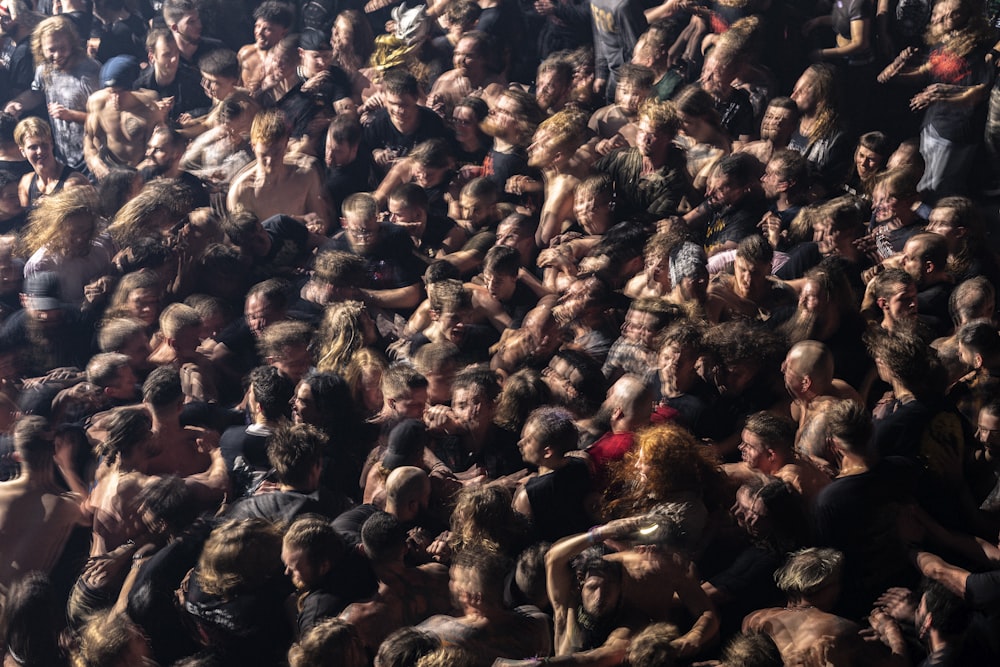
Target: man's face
804, 93
599, 595
628, 97
772, 180
593, 212
541, 151
913, 263
550, 91
161, 152
10, 203
217, 87
267, 34
754, 452
411, 405
512, 236
467, 59
749, 278
476, 211
640, 327
166, 57
189, 26
902, 305
650, 140
944, 222
124, 386
270, 155
501, 286
294, 361
314, 62
777, 123
453, 324
678, 362
867, 161
501, 121
56, 49
144, 305
813, 299
402, 110
532, 449
362, 234
716, 78
573, 303
297, 566
723, 191
260, 313
472, 406
694, 288
988, 433
339, 153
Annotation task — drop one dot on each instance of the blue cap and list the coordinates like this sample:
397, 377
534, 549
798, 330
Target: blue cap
119, 72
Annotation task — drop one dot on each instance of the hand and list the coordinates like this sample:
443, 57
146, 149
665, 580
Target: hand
384, 157
899, 603
685, 646
544, 7
619, 528
15, 109
599, 85
58, 112
98, 290
314, 223
164, 105
439, 417
611, 144
897, 65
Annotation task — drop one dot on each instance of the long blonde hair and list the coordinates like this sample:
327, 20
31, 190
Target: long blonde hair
47, 223
341, 334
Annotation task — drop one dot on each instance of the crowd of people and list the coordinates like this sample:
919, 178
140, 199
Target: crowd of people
491, 332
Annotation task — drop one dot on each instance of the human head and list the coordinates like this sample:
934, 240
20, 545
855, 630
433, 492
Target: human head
767, 442
600, 581
895, 293
752, 266
383, 537
941, 610
557, 138
112, 373
808, 369
272, 20
331, 641
474, 395
405, 646
658, 125
575, 381
220, 73
295, 452
346, 328
514, 117
477, 579
718, 73
343, 140
269, 137
181, 327
310, 549
55, 43
285, 345
33, 443
972, 299
240, 556
812, 575
167, 505
64, 223
162, 389
735, 176
635, 84
404, 390
360, 222
925, 258
554, 83
266, 303
162, 53
957, 219
407, 492
894, 194
697, 113
978, 345
849, 425
653, 646
128, 433
548, 435
110, 639
781, 118
271, 392
871, 154
787, 172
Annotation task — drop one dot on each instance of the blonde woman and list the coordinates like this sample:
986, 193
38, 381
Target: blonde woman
346, 328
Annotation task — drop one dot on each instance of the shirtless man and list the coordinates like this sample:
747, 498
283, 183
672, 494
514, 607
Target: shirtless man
804, 630
607, 592
767, 448
276, 185
808, 372
178, 451
750, 292
487, 629
781, 118
472, 75
120, 121
35, 540
555, 144
406, 595
48, 176
272, 22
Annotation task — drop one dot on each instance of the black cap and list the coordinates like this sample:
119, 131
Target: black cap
313, 40
406, 443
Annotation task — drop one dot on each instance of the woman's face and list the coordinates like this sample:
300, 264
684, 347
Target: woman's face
465, 123
304, 405
342, 36
80, 231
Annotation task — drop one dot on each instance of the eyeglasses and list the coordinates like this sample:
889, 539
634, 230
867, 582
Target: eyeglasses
463, 122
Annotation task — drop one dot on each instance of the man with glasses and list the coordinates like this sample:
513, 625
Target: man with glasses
393, 270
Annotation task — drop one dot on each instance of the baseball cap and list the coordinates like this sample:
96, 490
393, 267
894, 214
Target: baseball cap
406, 443
119, 72
43, 291
313, 40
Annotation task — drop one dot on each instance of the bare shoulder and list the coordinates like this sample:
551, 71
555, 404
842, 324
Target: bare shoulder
758, 620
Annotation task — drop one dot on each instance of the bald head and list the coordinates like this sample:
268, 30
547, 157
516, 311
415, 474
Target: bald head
407, 492
808, 368
630, 403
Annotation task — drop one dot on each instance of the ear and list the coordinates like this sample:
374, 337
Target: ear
881, 303
617, 413
435, 315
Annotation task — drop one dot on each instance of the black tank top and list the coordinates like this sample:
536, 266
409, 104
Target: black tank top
33, 191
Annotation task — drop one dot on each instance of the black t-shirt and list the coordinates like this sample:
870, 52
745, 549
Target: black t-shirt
122, 37
437, 230
933, 309
737, 115
252, 446
185, 89
558, 501
289, 247
20, 72
391, 264
17, 167
499, 167
358, 176
381, 133
734, 223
